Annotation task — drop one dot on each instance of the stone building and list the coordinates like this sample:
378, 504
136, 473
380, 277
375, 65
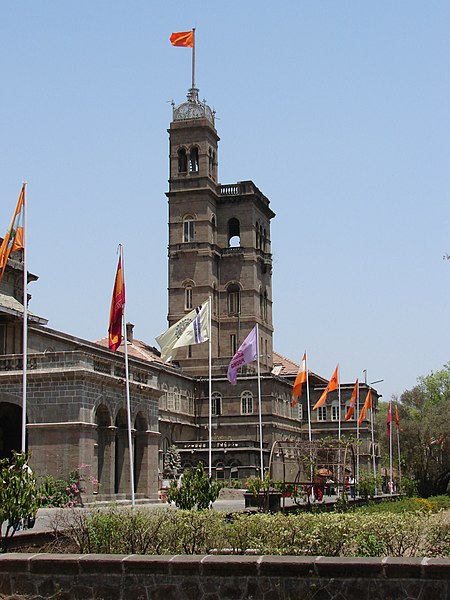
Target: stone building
219, 247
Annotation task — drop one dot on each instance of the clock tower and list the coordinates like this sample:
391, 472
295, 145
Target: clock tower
219, 244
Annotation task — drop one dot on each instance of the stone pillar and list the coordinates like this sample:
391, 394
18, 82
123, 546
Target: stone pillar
146, 462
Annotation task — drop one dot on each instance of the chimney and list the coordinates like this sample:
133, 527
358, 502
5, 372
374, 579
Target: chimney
130, 327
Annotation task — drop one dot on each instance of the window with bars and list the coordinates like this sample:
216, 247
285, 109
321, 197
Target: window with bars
188, 229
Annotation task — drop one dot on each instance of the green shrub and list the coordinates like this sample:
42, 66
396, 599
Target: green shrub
196, 489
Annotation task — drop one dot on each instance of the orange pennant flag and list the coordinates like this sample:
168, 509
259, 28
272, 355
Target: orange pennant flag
351, 408
299, 381
333, 384
14, 239
397, 418
183, 38
116, 311
367, 406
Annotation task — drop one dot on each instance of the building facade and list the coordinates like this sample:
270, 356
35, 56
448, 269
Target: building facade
220, 248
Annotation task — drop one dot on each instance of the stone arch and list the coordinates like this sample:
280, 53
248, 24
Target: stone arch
122, 455
140, 456
10, 428
102, 419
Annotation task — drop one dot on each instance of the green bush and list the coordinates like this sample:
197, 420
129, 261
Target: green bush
196, 489
169, 531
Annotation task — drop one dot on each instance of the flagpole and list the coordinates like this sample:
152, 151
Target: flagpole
309, 418
25, 321
210, 389
398, 448
373, 450
259, 405
391, 480
193, 60
127, 381
339, 436
357, 435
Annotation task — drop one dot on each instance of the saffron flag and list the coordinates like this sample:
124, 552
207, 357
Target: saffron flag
353, 397
397, 418
333, 384
299, 381
367, 406
191, 329
183, 38
389, 419
247, 353
116, 311
14, 239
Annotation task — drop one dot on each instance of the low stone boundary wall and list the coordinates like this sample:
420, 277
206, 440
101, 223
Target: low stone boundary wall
118, 577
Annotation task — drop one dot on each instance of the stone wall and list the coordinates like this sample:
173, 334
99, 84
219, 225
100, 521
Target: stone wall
107, 577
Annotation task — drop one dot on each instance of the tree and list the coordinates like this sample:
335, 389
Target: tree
424, 432
19, 495
195, 489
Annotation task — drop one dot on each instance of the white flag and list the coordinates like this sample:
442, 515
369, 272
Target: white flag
191, 329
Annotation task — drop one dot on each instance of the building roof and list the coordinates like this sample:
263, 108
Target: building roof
11, 306
285, 367
137, 349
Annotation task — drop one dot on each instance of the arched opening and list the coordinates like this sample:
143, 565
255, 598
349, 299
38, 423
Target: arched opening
140, 452
234, 233
121, 462
193, 164
103, 421
10, 429
182, 161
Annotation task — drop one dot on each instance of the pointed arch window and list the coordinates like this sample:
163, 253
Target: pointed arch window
246, 403
188, 228
193, 163
216, 404
234, 299
182, 161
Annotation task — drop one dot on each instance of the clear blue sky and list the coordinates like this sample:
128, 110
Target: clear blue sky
338, 111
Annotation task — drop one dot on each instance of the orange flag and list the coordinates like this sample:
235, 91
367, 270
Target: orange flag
367, 406
299, 381
397, 418
333, 384
14, 239
116, 312
351, 408
183, 38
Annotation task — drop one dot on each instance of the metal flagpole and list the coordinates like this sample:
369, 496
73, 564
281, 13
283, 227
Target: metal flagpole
193, 59
210, 389
398, 448
340, 473
127, 380
391, 479
357, 435
259, 404
309, 419
373, 449
25, 321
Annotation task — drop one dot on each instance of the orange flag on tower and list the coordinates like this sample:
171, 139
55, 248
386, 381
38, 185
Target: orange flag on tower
183, 38
14, 239
351, 408
299, 381
367, 406
116, 312
333, 384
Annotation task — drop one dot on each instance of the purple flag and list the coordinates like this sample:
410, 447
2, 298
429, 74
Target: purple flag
247, 353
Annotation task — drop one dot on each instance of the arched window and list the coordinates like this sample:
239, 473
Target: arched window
188, 228
193, 163
246, 403
234, 233
216, 404
210, 163
182, 161
234, 299
188, 297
